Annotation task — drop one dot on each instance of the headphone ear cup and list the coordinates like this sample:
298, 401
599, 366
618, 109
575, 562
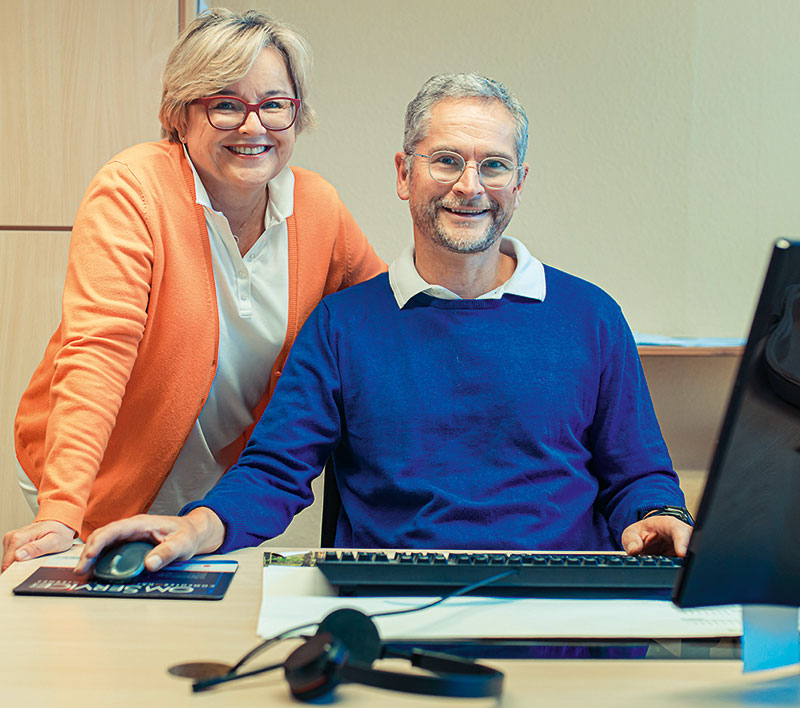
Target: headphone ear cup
312, 670
325, 660
356, 631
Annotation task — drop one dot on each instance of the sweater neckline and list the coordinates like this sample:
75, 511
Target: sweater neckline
425, 300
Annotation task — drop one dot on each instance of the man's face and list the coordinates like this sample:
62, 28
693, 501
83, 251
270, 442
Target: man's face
465, 216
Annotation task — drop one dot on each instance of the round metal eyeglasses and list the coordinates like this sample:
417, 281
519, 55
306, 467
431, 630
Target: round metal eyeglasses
447, 167
229, 113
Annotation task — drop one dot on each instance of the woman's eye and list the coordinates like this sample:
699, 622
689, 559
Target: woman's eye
275, 105
226, 105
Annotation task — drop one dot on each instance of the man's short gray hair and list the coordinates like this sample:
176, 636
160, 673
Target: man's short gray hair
443, 86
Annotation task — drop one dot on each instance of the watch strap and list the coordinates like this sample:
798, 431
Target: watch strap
679, 512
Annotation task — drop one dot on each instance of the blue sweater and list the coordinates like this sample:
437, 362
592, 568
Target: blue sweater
486, 424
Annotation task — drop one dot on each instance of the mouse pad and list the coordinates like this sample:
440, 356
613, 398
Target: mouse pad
185, 580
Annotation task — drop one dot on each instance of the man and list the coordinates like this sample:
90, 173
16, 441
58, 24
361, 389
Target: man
471, 398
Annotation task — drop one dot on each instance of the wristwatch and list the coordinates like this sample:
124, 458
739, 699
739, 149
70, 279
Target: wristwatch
679, 512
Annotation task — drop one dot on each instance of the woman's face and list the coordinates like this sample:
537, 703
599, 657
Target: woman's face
225, 159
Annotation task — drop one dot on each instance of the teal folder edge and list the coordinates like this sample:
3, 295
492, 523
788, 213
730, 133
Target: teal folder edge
191, 580
661, 340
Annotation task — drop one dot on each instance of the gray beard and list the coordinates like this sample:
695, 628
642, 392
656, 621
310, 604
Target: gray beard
428, 221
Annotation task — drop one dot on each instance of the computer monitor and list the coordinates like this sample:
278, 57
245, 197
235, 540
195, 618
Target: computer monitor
745, 548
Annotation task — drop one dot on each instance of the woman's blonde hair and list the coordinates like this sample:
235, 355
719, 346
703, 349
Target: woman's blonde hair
217, 49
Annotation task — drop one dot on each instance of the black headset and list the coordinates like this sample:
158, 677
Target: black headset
347, 642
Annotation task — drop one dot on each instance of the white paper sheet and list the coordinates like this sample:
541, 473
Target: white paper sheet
293, 596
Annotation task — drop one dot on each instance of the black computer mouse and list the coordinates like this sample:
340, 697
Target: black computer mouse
123, 562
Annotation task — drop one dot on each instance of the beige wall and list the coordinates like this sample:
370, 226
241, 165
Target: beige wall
665, 148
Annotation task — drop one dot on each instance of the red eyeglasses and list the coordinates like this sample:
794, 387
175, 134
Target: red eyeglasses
230, 113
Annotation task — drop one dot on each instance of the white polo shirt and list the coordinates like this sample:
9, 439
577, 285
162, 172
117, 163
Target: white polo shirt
253, 304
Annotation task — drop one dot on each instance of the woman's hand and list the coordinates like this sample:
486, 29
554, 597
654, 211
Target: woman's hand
34, 540
177, 537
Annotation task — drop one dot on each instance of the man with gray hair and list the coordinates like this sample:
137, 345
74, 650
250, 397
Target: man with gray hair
471, 398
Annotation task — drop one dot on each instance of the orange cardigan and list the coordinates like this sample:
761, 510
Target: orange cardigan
129, 368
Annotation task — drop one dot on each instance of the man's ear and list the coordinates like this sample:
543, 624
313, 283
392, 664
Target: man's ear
523, 175
403, 175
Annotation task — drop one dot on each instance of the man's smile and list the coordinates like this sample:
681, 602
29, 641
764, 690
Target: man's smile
465, 211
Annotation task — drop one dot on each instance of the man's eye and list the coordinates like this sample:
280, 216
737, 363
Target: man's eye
445, 160
496, 165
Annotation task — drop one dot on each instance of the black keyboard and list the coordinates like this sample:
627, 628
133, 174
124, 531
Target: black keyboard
524, 573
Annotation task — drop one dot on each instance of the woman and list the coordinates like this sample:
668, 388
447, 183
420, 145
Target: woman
193, 261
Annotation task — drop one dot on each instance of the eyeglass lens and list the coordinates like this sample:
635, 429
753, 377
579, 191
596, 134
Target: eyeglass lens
229, 113
494, 172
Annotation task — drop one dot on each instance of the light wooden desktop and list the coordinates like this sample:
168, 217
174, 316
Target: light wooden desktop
93, 652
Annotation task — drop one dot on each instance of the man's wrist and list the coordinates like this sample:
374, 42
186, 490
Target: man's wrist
678, 512
209, 528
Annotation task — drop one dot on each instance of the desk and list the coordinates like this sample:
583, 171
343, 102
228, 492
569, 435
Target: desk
103, 653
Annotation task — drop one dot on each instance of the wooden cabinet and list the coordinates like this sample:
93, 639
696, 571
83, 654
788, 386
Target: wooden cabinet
690, 388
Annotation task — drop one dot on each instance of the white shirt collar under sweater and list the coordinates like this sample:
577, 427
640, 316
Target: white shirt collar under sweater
527, 279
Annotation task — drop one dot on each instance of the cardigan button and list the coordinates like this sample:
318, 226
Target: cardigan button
277, 374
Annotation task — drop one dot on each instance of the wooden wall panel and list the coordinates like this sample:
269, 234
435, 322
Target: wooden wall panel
80, 80
32, 268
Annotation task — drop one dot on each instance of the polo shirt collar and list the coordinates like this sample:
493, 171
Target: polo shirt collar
527, 280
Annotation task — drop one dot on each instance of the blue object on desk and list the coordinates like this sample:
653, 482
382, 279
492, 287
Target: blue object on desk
665, 341
197, 579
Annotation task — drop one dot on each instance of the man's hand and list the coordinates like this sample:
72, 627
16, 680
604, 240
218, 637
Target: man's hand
177, 537
657, 535
34, 540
